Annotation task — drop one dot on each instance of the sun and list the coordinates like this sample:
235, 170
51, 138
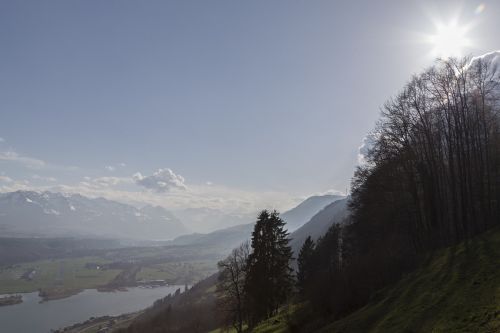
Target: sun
450, 40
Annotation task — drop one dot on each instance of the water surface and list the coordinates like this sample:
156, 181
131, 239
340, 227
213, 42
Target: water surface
34, 317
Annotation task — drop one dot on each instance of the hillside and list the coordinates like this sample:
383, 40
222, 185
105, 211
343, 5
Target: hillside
455, 290
302, 213
317, 226
191, 311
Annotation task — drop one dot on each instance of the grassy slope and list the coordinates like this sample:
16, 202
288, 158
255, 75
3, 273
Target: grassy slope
457, 290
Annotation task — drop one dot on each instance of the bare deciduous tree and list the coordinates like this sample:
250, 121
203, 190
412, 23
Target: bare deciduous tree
230, 288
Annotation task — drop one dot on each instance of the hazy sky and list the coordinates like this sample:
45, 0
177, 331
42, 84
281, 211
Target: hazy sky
242, 104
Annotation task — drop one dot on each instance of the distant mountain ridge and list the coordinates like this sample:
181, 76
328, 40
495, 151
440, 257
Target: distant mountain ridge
228, 238
302, 213
205, 220
49, 214
224, 239
318, 225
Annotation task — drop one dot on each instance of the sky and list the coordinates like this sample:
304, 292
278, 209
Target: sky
230, 105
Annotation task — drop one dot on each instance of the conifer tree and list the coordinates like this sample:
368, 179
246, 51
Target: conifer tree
304, 262
269, 279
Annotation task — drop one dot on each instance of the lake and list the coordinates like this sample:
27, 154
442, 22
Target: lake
34, 317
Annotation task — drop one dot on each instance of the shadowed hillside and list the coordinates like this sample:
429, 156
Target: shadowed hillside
456, 289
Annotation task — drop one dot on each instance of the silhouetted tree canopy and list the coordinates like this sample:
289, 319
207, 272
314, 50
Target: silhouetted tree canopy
269, 280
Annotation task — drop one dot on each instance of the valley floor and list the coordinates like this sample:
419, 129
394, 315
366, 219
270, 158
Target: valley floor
60, 278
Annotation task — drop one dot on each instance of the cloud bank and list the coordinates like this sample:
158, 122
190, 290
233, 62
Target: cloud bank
163, 180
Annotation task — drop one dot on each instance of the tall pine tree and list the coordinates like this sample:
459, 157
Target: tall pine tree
269, 279
305, 265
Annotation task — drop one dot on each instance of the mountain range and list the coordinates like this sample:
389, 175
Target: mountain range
48, 214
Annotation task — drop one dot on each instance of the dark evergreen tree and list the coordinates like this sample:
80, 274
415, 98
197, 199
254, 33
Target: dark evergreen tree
269, 279
304, 262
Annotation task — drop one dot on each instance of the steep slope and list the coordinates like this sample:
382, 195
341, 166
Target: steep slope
457, 290
28, 213
319, 224
299, 215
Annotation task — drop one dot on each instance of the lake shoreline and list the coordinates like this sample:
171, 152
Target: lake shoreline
84, 307
108, 322
11, 300
52, 295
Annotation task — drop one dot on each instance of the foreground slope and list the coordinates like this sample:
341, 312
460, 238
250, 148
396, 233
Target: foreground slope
456, 289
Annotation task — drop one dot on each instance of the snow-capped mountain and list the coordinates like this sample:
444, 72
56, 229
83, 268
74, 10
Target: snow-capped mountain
28, 213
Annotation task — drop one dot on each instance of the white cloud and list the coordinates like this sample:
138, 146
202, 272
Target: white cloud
6, 179
364, 150
164, 188
111, 181
218, 197
209, 183
2, 139
333, 192
16, 186
12, 156
162, 180
112, 168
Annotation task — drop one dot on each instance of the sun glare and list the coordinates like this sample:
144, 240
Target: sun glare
450, 40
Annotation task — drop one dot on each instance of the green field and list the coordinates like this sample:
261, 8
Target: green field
65, 275
178, 272
68, 274
455, 290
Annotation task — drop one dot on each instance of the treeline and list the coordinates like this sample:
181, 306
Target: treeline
432, 179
